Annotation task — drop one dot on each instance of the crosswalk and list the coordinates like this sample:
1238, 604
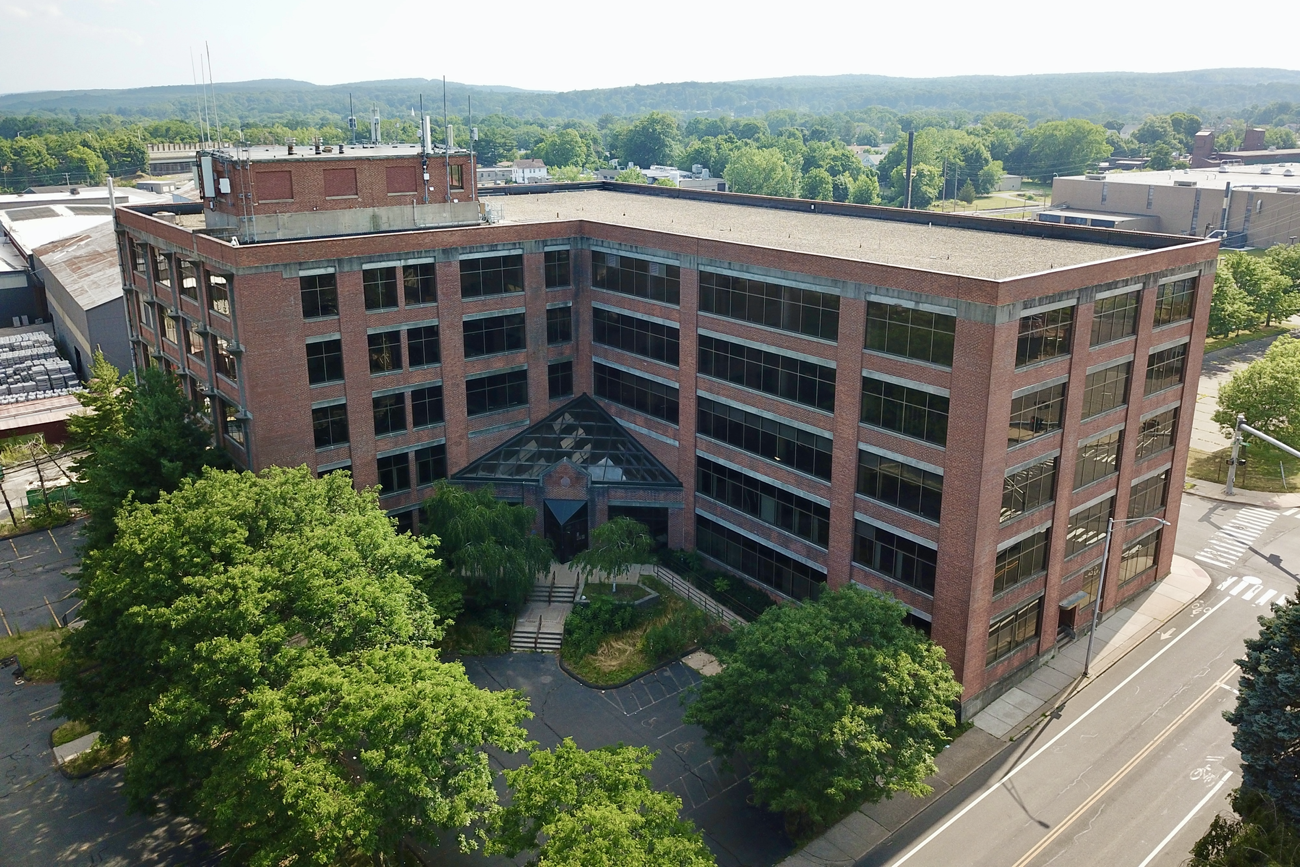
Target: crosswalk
1228, 545
1291, 513
1248, 588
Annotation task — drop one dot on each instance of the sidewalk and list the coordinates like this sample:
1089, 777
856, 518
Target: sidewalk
1214, 491
1011, 715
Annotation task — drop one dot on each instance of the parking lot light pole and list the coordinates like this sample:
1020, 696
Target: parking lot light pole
1101, 582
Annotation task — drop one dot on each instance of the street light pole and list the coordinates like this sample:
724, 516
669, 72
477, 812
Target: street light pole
1101, 581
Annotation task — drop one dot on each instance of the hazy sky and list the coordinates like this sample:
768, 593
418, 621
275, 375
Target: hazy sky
551, 46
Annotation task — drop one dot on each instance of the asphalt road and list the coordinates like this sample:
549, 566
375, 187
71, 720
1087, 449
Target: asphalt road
1136, 764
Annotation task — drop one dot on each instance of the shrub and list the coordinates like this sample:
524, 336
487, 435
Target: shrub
49, 515
667, 639
590, 624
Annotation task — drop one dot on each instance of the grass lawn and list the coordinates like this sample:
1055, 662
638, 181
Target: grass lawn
69, 732
1260, 473
39, 651
1213, 343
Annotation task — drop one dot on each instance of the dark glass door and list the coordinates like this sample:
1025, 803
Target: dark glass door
569, 536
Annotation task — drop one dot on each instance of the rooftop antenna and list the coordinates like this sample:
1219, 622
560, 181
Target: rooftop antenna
212, 86
426, 145
198, 100
374, 125
473, 137
446, 153
352, 121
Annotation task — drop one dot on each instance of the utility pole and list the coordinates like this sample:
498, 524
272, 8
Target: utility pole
1242, 427
911, 140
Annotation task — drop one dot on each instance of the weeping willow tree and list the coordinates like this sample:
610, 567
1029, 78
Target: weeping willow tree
616, 546
488, 545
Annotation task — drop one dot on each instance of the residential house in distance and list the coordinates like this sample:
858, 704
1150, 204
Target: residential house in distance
945, 408
528, 172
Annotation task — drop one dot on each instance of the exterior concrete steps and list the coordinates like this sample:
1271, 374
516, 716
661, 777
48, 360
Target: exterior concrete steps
549, 594
535, 640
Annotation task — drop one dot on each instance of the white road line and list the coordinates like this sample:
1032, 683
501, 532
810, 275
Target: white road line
1062, 733
1263, 600
1165, 842
1290, 512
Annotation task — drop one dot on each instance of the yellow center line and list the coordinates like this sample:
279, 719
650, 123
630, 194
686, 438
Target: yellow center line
1122, 772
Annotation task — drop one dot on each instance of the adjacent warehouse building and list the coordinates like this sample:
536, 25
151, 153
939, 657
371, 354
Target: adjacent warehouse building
940, 407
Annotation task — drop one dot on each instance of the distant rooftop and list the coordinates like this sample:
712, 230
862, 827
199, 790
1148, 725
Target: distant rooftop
969, 252
1266, 176
273, 153
86, 265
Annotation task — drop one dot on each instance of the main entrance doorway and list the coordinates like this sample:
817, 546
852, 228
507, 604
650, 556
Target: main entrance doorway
566, 527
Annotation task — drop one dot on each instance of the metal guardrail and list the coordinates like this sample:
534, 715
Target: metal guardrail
698, 598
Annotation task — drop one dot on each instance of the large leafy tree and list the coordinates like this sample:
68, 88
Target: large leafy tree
1266, 392
927, 184
1059, 147
761, 172
488, 545
141, 439
866, 189
1230, 307
266, 644
830, 702
1273, 294
817, 185
651, 141
616, 546
594, 809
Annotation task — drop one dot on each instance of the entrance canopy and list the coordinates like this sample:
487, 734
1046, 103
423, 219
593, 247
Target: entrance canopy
583, 433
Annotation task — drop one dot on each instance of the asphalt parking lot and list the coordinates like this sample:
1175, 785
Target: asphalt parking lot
33, 587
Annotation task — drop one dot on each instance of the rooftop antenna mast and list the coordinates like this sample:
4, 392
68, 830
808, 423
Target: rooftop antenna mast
473, 137
212, 86
198, 101
446, 153
426, 145
352, 121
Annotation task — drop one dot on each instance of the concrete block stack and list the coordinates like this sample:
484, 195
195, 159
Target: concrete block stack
31, 369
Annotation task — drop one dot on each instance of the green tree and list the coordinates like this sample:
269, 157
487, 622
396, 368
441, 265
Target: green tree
1279, 137
564, 148
1059, 147
1272, 293
967, 193
631, 176
817, 185
866, 189
830, 702
1155, 129
1267, 729
149, 440
927, 183
264, 642
1285, 259
1267, 392
496, 144
1186, 126
651, 141
616, 546
583, 809
1162, 158
760, 172
1262, 837
1230, 307
488, 545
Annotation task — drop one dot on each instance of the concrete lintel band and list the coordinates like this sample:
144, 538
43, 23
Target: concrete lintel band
906, 383
753, 537
1114, 362
876, 522
1033, 462
1170, 344
902, 459
762, 478
767, 347
1105, 495
635, 372
1023, 535
1152, 473
623, 311
488, 314
1155, 412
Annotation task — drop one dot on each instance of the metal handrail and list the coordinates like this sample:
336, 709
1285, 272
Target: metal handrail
698, 598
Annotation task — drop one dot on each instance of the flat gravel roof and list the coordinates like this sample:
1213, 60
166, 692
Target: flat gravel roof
965, 252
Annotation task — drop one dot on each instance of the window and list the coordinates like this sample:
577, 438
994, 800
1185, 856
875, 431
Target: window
1036, 414
330, 425
138, 253
559, 379
637, 336
394, 473
1020, 561
1105, 389
320, 295
379, 285
1157, 433
653, 280
1115, 318
219, 293
494, 334
895, 557
636, 392
1011, 632
762, 563
898, 484
194, 339
908, 411
145, 311
492, 275
918, 334
1139, 556
498, 391
781, 443
1088, 527
1165, 368
430, 464
1175, 302
422, 346
768, 503
559, 325
224, 361
1148, 496
457, 174
789, 308
779, 375
325, 361
390, 414
1044, 336
169, 329
1090, 576
189, 279
421, 284
385, 350
1026, 489
1097, 459
557, 269
162, 268
426, 406
232, 426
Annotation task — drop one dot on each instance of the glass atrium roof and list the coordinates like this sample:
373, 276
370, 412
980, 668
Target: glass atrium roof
587, 435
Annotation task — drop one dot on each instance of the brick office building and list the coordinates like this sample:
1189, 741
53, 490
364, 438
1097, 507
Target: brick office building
943, 408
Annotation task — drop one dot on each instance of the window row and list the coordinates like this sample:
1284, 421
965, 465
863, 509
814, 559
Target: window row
390, 410
901, 485
1088, 526
1097, 458
492, 335
395, 470
788, 308
639, 277
908, 411
150, 262
766, 502
559, 379
635, 392
384, 351
1010, 633
559, 325
761, 563
1020, 561
916, 334
635, 335
1026, 489
498, 391
897, 558
792, 379
775, 441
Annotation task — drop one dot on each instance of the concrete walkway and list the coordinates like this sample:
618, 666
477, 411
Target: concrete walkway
1010, 715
